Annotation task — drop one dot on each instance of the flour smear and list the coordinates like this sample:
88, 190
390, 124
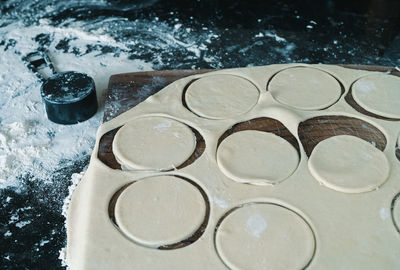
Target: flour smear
29, 143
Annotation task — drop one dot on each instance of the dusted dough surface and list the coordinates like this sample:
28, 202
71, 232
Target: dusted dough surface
264, 236
257, 157
160, 210
379, 94
153, 143
305, 88
351, 231
221, 96
348, 164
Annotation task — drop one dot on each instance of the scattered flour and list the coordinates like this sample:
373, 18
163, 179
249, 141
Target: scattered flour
22, 223
75, 179
29, 143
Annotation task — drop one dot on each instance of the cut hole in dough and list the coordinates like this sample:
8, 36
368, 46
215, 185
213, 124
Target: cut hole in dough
379, 94
348, 164
316, 129
153, 143
257, 157
221, 96
305, 88
396, 212
264, 236
160, 210
397, 150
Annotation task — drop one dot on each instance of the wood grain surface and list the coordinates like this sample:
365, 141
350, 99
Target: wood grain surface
127, 90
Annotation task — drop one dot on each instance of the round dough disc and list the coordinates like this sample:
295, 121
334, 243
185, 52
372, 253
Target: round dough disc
305, 88
257, 157
160, 210
221, 96
265, 236
153, 143
379, 94
348, 164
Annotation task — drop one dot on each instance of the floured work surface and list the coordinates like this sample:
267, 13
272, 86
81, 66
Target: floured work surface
268, 178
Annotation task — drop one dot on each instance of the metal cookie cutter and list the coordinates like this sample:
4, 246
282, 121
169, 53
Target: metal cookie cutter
69, 97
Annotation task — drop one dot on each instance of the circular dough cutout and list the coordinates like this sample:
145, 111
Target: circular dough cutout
379, 94
265, 236
348, 164
305, 88
221, 96
257, 157
160, 211
153, 143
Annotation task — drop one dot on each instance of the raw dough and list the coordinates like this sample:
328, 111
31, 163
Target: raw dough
379, 94
305, 88
153, 143
265, 236
160, 210
351, 231
257, 157
348, 164
221, 96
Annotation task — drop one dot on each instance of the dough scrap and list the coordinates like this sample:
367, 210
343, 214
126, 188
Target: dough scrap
221, 96
379, 94
153, 143
348, 164
264, 236
160, 210
257, 157
305, 88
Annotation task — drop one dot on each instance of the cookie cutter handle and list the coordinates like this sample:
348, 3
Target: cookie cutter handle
40, 64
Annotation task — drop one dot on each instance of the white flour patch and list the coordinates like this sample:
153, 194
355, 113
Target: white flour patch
43, 242
384, 213
365, 86
256, 225
274, 36
63, 258
220, 202
162, 127
75, 179
22, 223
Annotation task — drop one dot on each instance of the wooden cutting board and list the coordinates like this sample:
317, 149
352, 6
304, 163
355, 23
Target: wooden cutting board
129, 89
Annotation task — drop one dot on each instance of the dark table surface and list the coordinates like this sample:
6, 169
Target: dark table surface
223, 34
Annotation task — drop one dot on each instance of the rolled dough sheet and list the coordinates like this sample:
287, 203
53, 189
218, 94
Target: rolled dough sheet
305, 88
265, 236
379, 94
257, 157
221, 96
222, 218
348, 164
153, 143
